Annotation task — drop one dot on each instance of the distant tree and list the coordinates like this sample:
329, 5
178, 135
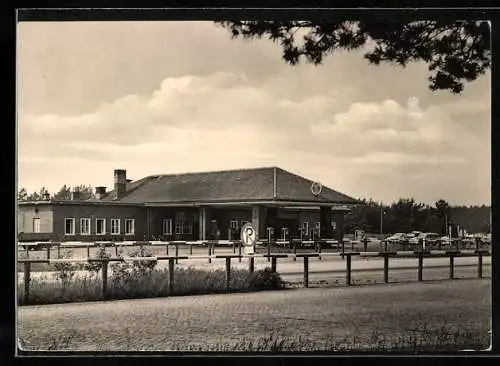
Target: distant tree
455, 51
443, 211
22, 194
37, 196
63, 194
86, 192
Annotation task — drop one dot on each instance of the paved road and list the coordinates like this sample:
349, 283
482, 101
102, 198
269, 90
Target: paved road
314, 314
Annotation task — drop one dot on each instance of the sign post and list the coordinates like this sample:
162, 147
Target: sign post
248, 238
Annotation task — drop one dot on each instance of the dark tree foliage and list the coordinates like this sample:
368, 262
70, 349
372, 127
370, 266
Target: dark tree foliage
456, 52
407, 215
86, 192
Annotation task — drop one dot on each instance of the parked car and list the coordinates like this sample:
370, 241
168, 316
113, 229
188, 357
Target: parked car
445, 240
430, 238
397, 238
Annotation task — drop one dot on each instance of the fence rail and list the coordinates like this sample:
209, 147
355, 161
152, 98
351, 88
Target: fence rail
273, 257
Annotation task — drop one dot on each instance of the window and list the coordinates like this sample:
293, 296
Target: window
234, 224
115, 226
129, 226
183, 227
100, 226
187, 227
318, 226
167, 226
36, 225
334, 225
305, 227
85, 226
69, 226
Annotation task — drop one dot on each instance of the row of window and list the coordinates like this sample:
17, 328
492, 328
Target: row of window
181, 227
235, 225
100, 226
305, 225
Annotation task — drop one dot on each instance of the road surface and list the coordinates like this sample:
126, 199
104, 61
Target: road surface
317, 315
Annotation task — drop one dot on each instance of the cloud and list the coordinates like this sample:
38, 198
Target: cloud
230, 120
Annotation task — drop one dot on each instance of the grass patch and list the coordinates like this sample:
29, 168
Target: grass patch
441, 340
132, 283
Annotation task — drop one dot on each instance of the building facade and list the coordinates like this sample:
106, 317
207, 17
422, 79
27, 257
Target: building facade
192, 206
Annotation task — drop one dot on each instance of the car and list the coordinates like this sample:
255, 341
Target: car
397, 238
430, 238
445, 240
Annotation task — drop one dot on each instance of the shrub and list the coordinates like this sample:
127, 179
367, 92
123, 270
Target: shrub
65, 271
129, 281
95, 267
265, 280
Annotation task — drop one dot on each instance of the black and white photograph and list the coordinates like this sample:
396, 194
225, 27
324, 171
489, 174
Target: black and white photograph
253, 185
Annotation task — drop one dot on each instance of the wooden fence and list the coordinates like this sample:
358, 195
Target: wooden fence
272, 257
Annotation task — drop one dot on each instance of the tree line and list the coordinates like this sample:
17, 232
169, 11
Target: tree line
404, 215
86, 192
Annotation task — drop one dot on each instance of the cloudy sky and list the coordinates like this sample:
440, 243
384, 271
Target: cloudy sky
169, 97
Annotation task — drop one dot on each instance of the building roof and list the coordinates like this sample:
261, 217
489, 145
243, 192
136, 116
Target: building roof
244, 185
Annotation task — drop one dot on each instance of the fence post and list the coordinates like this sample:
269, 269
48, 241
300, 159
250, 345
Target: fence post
48, 252
294, 243
234, 247
251, 265
191, 249
343, 248
452, 265
166, 247
273, 264
228, 274
319, 248
385, 245
27, 279
386, 268
239, 251
306, 271
269, 251
116, 250
104, 278
348, 269
365, 244
58, 251
420, 264
170, 276
480, 265
209, 251
177, 253
352, 246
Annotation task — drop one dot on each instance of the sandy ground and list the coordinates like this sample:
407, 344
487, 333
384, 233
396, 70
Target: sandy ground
314, 314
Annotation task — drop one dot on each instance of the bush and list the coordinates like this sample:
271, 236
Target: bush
265, 280
129, 281
95, 267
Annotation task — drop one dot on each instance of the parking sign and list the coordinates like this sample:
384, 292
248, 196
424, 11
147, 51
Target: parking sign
248, 235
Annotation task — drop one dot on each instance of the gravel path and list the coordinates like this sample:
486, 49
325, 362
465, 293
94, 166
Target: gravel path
314, 314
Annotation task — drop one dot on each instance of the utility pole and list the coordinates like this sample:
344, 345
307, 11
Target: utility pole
381, 219
446, 221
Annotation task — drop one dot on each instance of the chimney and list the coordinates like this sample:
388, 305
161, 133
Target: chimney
75, 194
120, 183
46, 196
100, 192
